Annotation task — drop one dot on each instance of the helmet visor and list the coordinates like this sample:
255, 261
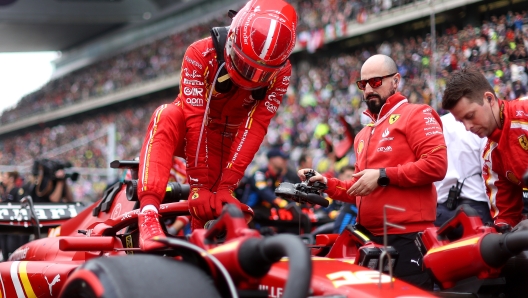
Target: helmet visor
250, 69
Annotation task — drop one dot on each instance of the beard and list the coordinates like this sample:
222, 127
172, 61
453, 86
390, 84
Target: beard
374, 106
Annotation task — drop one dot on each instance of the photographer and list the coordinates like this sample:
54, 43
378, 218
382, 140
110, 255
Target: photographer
48, 182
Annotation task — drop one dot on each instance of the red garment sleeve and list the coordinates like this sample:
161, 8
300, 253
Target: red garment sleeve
429, 148
337, 190
251, 133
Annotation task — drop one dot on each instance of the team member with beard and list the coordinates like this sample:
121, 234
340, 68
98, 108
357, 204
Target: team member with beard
399, 155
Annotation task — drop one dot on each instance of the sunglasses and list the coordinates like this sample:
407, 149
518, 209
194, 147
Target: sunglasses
373, 82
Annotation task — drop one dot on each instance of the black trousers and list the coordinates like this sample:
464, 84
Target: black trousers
409, 266
443, 214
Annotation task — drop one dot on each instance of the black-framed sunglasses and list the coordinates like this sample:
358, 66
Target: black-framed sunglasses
373, 82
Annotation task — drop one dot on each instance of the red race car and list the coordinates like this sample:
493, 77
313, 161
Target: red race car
96, 254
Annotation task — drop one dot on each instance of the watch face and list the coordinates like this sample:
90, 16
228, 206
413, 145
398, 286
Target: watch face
383, 180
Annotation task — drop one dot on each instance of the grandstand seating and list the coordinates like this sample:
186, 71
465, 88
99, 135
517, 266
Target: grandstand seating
322, 86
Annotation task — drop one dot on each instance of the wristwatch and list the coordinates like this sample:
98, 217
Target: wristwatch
383, 180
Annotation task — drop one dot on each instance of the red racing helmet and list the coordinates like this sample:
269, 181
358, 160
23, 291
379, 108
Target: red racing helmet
260, 40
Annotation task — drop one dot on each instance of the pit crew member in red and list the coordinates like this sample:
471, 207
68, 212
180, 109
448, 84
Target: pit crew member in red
472, 101
231, 85
398, 157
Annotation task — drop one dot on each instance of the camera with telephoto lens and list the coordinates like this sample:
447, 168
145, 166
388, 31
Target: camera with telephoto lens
49, 167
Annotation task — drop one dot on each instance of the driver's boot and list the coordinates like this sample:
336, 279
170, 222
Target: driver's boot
149, 227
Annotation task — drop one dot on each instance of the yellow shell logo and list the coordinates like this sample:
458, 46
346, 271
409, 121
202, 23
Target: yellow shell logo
524, 142
393, 118
360, 146
512, 178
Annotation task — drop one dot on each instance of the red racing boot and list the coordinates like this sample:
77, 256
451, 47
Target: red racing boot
149, 227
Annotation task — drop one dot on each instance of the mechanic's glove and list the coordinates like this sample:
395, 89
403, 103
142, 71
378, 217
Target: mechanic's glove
200, 204
222, 197
522, 226
281, 203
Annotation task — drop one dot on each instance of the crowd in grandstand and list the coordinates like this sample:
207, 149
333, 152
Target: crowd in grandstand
320, 90
162, 57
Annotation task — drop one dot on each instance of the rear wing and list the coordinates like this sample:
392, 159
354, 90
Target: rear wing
14, 218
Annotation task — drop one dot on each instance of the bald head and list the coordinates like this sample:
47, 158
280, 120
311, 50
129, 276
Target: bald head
379, 63
382, 73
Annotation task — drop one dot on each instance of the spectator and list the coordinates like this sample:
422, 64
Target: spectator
11, 193
48, 183
262, 184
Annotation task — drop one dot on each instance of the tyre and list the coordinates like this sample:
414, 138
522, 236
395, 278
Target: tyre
138, 276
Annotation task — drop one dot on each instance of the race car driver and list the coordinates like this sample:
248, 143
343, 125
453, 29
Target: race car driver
472, 100
228, 95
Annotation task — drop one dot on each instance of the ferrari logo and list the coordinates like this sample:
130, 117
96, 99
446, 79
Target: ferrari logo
393, 118
360, 146
129, 244
512, 177
524, 142
195, 196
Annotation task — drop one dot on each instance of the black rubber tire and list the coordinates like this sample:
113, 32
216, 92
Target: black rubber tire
141, 276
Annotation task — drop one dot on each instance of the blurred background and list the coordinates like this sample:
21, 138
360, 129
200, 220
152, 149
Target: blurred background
87, 74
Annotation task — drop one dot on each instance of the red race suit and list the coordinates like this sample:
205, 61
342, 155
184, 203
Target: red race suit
506, 161
217, 147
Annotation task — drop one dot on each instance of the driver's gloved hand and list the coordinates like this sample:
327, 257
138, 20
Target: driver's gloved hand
223, 196
522, 226
200, 205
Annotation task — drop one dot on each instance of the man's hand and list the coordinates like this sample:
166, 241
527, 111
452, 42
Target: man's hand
318, 177
60, 174
367, 182
200, 204
223, 196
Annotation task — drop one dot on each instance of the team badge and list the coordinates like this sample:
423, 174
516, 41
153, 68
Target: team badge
195, 194
524, 142
512, 178
360, 146
393, 118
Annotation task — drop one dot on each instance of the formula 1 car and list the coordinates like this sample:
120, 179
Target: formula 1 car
96, 254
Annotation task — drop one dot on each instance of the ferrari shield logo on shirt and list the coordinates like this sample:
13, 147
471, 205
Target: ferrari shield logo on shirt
360, 146
512, 178
393, 118
524, 142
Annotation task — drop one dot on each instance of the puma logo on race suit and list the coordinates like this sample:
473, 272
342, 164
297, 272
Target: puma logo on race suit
415, 261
